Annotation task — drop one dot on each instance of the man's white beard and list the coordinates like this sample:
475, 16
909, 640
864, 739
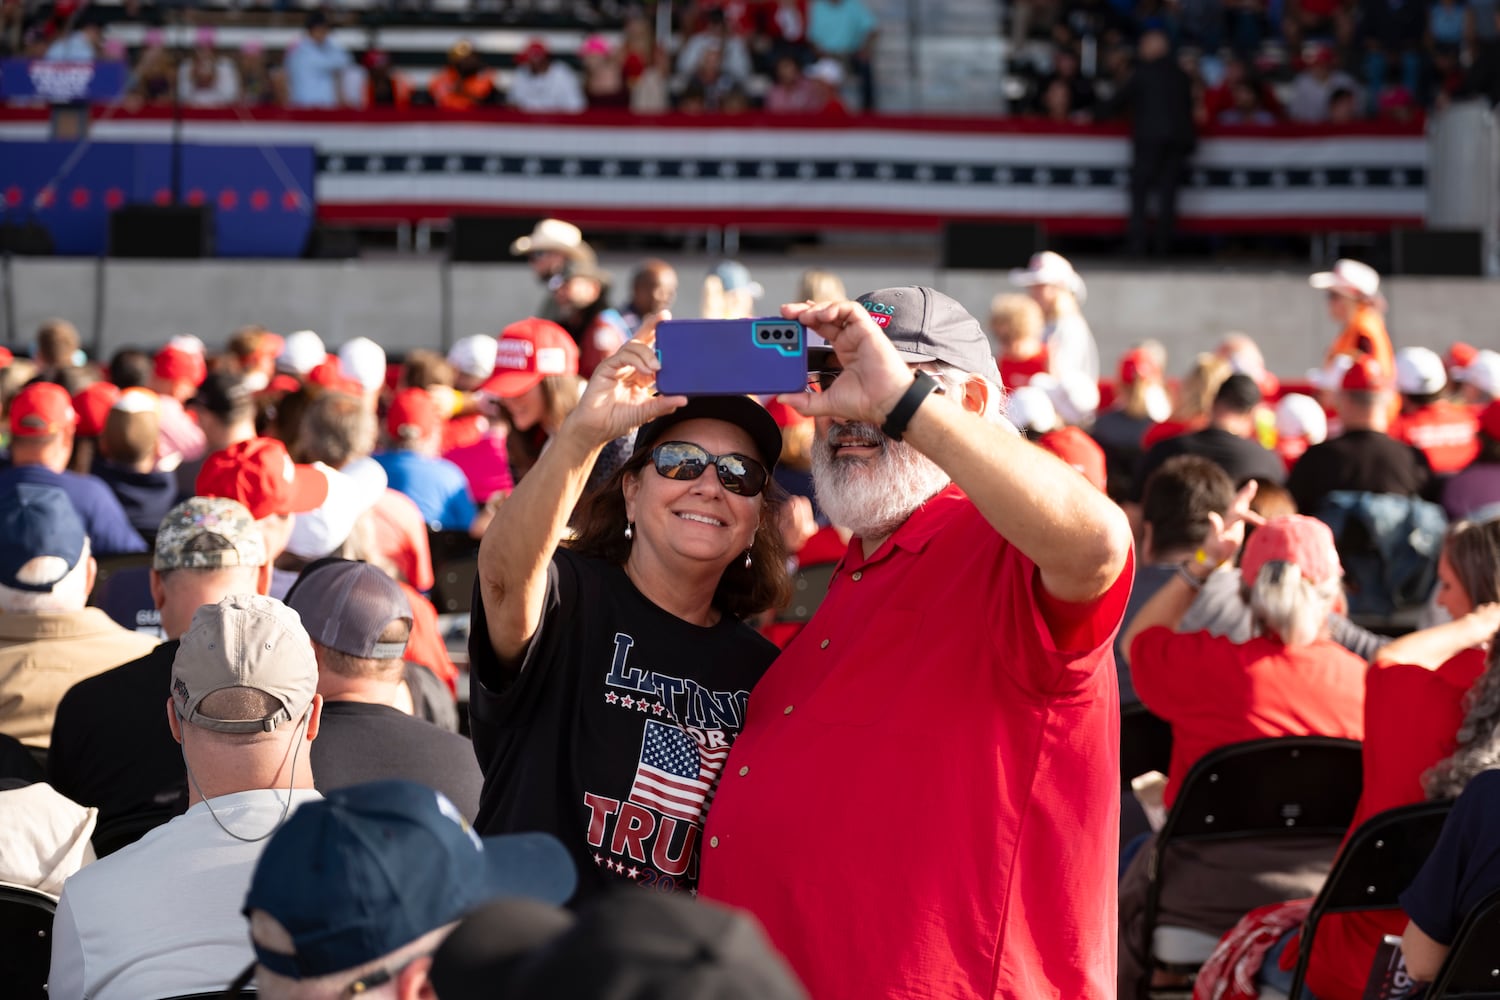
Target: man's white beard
872, 497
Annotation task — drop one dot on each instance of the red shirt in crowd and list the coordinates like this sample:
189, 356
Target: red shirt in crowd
1215, 692
1447, 433
1170, 429
1016, 372
1412, 716
924, 800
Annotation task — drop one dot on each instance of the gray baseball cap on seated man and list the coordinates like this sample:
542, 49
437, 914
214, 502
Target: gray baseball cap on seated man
346, 605
924, 325
245, 641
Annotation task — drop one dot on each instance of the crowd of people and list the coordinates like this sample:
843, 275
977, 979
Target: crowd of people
1259, 63
785, 56
1250, 63
217, 636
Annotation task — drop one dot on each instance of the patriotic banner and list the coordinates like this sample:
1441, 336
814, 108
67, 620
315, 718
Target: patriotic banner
610, 169
61, 82
675, 774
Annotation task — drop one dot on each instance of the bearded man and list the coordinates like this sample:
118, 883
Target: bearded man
924, 799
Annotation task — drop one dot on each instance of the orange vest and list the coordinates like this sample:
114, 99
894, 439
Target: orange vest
1365, 334
461, 93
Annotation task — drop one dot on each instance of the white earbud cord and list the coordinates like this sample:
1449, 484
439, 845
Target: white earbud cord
286, 807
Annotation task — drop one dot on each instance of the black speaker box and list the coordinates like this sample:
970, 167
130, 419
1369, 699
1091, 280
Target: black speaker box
25, 238
161, 231
486, 238
990, 246
1456, 252
328, 243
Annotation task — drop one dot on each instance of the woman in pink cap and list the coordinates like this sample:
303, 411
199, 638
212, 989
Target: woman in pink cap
1288, 680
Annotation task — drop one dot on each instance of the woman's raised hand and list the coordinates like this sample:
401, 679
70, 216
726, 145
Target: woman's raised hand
621, 394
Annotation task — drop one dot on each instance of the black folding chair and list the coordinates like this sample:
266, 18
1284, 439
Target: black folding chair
25, 941
1377, 864
1145, 742
453, 593
809, 587
108, 566
1472, 969
450, 544
1263, 790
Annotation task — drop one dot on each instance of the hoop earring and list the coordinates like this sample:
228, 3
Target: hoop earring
748, 560
629, 530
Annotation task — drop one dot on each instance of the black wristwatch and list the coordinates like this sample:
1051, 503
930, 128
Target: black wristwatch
922, 385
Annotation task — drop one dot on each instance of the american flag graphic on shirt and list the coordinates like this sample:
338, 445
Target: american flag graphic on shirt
675, 775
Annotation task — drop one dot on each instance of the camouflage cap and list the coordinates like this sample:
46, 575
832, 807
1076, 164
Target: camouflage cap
208, 533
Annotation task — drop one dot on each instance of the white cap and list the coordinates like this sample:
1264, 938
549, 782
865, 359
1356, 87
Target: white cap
549, 234
829, 71
474, 355
317, 533
1330, 377
137, 399
1419, 371
1074, 396
188, 343
364, 361
1048, 268
1299, 416
1349, 277
1483, 373
1029, 408
302, 352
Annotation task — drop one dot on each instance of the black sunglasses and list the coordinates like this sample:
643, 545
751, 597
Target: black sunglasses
739, 474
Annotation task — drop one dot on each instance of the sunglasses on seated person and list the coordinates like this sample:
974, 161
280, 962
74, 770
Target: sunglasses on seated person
683, 460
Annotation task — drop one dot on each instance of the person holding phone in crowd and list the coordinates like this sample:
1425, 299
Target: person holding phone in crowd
924, 800
610, 674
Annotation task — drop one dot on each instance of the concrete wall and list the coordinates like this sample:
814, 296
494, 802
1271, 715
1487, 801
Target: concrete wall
405, 304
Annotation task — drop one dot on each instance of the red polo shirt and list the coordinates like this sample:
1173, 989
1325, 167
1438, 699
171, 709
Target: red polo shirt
924, 800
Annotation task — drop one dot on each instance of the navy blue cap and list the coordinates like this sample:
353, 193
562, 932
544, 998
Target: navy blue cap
373, 867
37, 520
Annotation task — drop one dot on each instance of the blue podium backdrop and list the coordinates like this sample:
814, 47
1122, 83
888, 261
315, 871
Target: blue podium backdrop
260, 194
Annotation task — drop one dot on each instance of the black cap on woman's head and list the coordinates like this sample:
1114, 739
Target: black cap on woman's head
742, 411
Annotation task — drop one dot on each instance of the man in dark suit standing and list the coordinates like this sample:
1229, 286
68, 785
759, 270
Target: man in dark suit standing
1159, 99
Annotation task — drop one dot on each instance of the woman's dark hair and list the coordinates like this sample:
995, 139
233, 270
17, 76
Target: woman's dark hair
600, 525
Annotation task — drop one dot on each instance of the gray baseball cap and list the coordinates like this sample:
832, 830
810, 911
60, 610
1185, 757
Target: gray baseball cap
345, 605
924, 325
244, 641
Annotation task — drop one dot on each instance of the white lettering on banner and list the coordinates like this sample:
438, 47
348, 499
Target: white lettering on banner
61, 81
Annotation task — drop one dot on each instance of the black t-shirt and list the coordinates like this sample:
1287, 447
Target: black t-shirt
359, 742
1240, 457
1361, 461
111, 745
613, 733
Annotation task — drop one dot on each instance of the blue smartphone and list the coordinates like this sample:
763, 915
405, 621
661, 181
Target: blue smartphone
731, 357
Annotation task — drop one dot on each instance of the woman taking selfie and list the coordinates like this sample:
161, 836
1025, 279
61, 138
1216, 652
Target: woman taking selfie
609, 676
